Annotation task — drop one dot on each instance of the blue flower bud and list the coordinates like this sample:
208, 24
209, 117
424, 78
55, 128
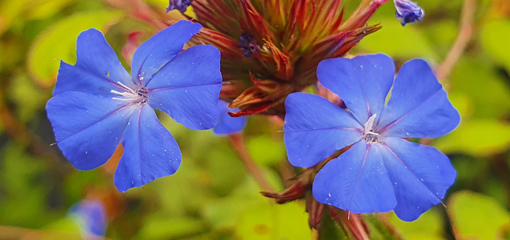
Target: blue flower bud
248, 44
180, 5
408, 11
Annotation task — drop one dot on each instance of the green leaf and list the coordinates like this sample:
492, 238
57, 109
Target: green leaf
59, 43
495, 37
476, 216
476, 137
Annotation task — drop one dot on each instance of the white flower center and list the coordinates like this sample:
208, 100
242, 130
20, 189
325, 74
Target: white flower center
139, 95
369, 135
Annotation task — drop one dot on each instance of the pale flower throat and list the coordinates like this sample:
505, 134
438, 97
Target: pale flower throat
369, 135
139, 95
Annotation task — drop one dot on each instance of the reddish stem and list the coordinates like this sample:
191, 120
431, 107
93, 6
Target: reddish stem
239, 145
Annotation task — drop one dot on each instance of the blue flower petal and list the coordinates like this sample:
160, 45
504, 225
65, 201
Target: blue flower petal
362, 82
315, 128
357, 181
160, 49
150, 151
227, 124
418, 106
87, 128
97, 70
420, 176
188, 87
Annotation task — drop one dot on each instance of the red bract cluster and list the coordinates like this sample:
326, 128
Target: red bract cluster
271, 48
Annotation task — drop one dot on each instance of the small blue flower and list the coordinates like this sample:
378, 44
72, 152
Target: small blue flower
97, 103
381, 171
408, 11
91, 218
228, 125
181, 5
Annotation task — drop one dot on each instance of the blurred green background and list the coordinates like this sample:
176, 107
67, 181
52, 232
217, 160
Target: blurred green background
212, 196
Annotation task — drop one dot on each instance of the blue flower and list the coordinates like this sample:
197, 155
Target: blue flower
97, 103
381, 171
181, 5
91, 218
408, 11
228, 125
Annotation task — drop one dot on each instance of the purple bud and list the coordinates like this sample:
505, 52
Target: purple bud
248, 44
408, 11
91, 217
180, 5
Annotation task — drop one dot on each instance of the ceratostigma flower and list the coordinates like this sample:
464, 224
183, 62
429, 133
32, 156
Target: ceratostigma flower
271, 48
96, 103
408, 11
381, 171
228, 125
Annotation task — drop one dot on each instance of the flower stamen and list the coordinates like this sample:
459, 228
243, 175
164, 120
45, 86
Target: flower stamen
139, 95
369, 135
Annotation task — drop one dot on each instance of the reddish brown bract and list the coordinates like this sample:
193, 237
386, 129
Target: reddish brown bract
293, 36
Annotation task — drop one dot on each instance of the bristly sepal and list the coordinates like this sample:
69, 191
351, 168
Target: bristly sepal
273, 47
